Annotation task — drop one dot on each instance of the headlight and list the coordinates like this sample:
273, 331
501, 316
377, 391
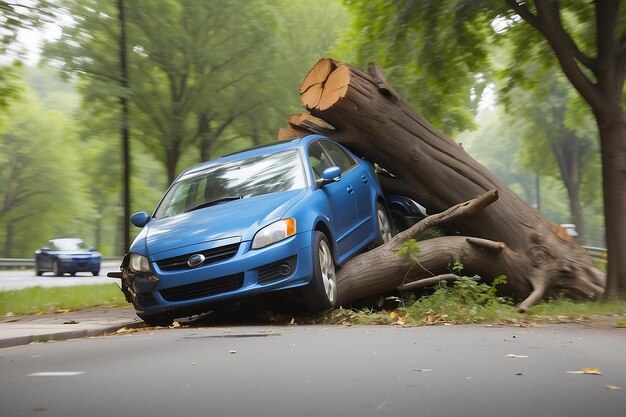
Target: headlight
273, 233
139, 263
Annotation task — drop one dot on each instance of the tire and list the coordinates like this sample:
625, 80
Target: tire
154, 320
95, 273
55, 268
321, 293
384, 225
38, 271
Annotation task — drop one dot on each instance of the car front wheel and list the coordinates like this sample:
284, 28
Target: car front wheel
160, 320
38, 271
55, 268
321, 293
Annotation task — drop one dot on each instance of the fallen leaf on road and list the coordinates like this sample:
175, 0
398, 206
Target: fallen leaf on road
232, 352
175, 324
612, 387
382, 406
586, 371
513, 355
70, 322
422, 370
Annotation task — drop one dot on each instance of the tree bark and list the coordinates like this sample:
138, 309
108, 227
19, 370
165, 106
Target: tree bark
613, 144
366, 115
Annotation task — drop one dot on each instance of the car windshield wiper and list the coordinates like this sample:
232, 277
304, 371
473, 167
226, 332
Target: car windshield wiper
216, 201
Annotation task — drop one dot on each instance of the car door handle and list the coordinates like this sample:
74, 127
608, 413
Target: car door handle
364, 179
349, 189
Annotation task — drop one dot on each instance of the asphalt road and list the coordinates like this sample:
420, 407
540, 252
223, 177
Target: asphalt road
321, 371
26, 278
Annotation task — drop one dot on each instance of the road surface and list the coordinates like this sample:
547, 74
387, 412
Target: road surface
26, 278
316, 371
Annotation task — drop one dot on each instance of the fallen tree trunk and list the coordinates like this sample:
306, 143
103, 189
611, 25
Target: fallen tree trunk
361, 111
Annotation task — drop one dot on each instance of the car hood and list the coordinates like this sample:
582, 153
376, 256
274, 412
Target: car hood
235, 219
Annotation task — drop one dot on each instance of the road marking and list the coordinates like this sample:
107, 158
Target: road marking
70, 373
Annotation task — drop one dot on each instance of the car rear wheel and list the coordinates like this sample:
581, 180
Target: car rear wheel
385, 228
96, 272
321, 293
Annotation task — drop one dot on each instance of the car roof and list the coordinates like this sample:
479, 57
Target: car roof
255, 151
66, 239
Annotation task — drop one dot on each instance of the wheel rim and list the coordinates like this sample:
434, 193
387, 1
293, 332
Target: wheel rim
327, 269
384, 227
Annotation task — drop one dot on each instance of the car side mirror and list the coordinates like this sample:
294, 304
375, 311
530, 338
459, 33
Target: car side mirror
140, 219
330, 174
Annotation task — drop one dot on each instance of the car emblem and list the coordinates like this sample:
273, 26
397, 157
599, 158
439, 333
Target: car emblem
196, 260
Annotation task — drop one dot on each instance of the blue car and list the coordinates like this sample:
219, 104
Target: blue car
273, 218
67, 256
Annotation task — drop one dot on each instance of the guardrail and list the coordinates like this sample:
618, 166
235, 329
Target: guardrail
16, 263
13, 263
600, 254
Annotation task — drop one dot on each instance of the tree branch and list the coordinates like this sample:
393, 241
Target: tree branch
425, 282
547, 21
465, 209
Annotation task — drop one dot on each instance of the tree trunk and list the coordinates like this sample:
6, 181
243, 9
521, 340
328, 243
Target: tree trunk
569, 154
8, 240
370, 118
613, 143
171, 162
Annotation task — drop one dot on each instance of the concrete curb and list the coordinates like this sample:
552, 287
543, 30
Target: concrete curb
22, 330
54, 336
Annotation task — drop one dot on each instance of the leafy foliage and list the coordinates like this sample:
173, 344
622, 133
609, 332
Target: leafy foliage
13, 18
39, 158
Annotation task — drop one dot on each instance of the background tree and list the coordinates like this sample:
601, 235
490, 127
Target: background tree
40, 157
205, 77
586, 38
13, 18
552, 145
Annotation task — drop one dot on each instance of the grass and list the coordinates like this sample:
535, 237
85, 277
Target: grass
41, 300
467, 301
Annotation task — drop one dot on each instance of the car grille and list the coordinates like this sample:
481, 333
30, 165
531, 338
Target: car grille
276, 270
204, 288
211, 255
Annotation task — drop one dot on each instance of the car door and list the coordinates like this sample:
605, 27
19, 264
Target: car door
341, 198
356, 174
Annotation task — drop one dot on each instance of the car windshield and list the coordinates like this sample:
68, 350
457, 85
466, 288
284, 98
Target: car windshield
69, 245
271, 173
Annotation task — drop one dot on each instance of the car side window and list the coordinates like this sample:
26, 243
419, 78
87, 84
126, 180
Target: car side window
339, 157
318, 159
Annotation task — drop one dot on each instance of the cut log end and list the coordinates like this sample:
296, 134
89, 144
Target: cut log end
324, 85
317, 75
287, 133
